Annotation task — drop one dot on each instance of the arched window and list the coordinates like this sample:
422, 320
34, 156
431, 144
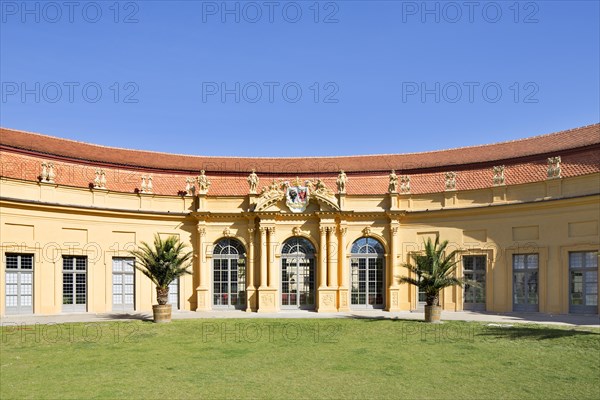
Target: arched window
367, 274
229, 274
298, 274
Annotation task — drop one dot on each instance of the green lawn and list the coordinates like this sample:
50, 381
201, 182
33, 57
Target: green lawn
308, 358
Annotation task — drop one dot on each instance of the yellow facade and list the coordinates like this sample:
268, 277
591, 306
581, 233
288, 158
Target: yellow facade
551, 218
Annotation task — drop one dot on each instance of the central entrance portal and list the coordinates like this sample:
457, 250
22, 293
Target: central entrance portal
298, 274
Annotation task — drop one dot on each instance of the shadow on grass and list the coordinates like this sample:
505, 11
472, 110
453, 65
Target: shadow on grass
128, 316
531, 333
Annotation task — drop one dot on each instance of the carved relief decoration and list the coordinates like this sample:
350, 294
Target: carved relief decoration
498, 175
279, 190
100, 179
404, 184
450, 180
554, 168
190, 188
48, 174
146, 186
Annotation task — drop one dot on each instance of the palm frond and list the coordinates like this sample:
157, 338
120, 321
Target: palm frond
433, 269
163, 262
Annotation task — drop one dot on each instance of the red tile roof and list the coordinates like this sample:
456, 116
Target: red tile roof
525, 161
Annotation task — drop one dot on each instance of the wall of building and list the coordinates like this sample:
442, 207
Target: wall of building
550, 218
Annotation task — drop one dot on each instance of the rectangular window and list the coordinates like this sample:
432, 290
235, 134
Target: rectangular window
474, 271
74, 284
123, 284
583, 282
19, 283
525, 282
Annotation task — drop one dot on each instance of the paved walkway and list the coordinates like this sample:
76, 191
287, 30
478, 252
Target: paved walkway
504, 318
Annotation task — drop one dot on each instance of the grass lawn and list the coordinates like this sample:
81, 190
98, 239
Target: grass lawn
308, 358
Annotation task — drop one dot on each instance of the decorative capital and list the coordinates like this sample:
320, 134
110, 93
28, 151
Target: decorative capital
394, 230
271, 230
343, 231
201, 231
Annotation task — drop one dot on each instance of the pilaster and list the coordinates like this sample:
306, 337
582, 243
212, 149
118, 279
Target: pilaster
267, 296
202, 291
326, 295
393, 298
343, 299
251, 295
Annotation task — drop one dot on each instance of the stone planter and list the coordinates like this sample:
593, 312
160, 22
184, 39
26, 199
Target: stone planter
433, 314
162, 313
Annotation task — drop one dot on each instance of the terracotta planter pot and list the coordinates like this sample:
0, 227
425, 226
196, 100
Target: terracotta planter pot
162, 313
433, 314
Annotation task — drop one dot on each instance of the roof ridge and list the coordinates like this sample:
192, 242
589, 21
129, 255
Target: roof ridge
300, 157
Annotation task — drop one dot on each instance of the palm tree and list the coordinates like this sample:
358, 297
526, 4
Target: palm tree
163, 263
434, 271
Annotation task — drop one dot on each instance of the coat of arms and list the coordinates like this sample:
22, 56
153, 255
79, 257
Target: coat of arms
296, 198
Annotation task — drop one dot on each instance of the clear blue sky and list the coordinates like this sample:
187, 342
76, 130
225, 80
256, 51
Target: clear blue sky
374, 76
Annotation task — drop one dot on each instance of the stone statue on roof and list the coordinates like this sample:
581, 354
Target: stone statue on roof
393, 186
341, 182
253, 181
203, 183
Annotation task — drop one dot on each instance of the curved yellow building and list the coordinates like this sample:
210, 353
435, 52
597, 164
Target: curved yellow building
326, 233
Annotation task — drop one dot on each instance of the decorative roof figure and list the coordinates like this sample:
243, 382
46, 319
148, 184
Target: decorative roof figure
341, 182
203, 183
393, 186
253, 181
